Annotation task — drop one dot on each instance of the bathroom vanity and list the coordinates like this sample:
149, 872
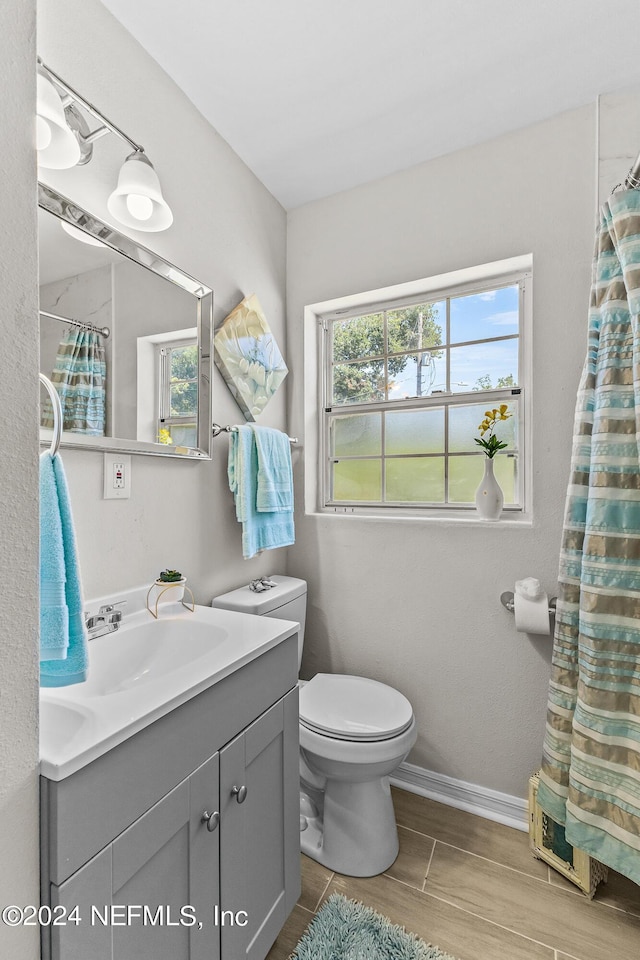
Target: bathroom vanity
180, 841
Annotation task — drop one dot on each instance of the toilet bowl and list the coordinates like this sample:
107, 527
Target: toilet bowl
354, 732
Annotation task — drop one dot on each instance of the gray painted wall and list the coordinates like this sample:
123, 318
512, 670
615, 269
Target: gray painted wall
416, 603
229, 232
18, 477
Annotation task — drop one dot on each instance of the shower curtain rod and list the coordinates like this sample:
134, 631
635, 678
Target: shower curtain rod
633, 177
103, 331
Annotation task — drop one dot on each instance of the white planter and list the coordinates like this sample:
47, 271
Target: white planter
165, 590
489, 496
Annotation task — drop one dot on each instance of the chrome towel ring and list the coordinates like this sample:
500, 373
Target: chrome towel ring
57, 414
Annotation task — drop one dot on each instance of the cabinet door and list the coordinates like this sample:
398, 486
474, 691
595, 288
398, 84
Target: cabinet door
134, 893
168, 861
89, 889
259, 837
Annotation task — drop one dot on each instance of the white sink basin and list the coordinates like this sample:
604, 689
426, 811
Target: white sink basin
136, 656
141, 672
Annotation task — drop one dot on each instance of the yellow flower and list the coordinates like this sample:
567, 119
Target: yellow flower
503, 408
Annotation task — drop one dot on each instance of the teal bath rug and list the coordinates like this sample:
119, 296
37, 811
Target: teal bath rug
346, 930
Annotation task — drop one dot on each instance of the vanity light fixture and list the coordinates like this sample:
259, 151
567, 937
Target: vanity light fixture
79, 234
137, 200
64, 140
58, 146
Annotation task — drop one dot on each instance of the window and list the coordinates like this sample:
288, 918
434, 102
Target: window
406, 383
178, 393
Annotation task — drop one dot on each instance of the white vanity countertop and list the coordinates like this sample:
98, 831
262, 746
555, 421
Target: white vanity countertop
141, 672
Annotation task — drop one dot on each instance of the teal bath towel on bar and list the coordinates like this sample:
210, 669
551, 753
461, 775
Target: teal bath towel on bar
274, 493
63, 644
261, 529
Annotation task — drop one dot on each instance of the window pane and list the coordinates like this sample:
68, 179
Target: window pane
184, 399
422, 325
358, 337
418, 375
483, 366
184, 363
415, 480
465, 474
182, 435
493, 313
415, 431
464, 421
357, 436
357, 480
505, 473
358, 382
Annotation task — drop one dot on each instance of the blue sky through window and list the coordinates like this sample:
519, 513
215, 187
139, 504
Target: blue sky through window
480, 316
483, 315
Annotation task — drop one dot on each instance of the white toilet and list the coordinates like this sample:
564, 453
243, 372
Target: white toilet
353, 733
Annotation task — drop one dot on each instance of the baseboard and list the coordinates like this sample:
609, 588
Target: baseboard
491, 804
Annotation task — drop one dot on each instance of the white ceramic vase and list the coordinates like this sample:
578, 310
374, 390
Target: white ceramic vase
489, 496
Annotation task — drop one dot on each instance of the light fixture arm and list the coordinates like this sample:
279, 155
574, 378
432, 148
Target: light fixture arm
105, 122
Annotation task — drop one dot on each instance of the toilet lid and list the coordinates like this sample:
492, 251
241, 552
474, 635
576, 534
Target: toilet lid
353, 708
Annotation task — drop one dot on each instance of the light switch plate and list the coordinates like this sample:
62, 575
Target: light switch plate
117, 476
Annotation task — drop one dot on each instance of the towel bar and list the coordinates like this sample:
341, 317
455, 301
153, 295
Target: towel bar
57, 414
216, 430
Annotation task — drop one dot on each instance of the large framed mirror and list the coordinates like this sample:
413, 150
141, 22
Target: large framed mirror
125, 337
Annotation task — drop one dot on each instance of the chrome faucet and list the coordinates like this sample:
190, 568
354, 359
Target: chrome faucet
106, 620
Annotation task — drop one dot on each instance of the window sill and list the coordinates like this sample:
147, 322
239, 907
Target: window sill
511, 521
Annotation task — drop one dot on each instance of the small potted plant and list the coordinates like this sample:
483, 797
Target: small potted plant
161, 590
170, 576
489, 496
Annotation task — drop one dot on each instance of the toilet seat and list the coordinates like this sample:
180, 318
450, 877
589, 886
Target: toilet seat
353, 708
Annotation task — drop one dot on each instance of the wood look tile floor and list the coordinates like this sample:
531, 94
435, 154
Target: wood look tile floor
472, 888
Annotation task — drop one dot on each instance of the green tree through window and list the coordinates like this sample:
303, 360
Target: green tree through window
356, 340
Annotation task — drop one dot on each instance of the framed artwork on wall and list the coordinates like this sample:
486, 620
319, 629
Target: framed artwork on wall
248, 357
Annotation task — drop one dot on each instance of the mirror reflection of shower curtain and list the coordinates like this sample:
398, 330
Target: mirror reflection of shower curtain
79, 376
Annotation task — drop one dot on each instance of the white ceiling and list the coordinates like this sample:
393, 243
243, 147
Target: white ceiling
318, 96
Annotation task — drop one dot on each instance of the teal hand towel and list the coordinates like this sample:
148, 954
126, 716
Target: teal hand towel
260, 530
63, 642
275, 476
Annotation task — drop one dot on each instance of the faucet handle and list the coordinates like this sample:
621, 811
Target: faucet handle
110, 607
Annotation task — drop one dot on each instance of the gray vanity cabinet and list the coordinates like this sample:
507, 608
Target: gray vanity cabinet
260, 839
166, 859
129, 829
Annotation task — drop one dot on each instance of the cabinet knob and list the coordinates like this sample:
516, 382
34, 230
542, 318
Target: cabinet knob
211, 819
240, 793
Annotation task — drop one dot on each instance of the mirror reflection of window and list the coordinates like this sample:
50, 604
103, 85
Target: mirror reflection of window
178, 393
166, 377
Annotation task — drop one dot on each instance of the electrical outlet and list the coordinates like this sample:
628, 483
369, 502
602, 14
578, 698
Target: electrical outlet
117, 476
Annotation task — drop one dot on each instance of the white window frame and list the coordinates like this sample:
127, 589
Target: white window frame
163, 351
465, 282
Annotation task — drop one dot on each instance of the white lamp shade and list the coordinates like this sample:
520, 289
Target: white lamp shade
62, 149
137, 179
78, 234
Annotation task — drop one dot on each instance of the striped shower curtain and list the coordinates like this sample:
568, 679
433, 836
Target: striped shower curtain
590, 778
79, 377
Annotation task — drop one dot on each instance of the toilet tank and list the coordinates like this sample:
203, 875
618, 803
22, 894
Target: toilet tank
286, 601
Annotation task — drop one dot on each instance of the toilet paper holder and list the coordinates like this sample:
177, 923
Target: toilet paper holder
506, 599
